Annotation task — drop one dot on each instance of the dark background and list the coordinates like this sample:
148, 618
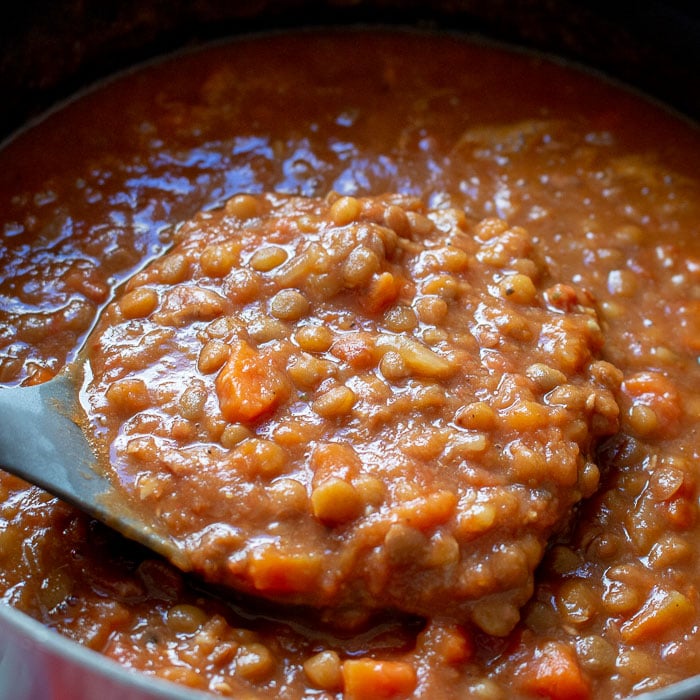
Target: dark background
50, 48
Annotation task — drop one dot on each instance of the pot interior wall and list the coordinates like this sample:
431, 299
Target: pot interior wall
52, 48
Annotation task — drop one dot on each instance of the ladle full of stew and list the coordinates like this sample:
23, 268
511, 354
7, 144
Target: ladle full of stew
340, 402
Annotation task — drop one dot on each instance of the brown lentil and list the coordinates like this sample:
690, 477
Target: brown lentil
289, 305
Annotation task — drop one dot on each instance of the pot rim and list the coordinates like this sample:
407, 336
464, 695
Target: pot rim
66, 649
28, 631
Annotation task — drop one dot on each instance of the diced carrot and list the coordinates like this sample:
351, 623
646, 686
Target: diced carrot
556, 674
445, 643
563, 296
455, 645
249, 385
383, 291
334, 459
357, 349
663, 612
649, 383
370, 679
39, 375
275, 572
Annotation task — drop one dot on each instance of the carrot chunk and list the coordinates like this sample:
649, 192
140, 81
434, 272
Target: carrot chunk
279, 573
249, 385
663, 613
370, 679
656, 407
383, 292
556, 674
450, 643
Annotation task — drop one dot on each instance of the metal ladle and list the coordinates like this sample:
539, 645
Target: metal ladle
43, 442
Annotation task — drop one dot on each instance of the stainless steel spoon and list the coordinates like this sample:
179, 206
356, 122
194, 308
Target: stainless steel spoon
42, 441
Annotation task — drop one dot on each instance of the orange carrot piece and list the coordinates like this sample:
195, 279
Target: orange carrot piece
556, 674
450, 643
658, 392
249, 385
663, 613
382, 293
370, 679
273, 572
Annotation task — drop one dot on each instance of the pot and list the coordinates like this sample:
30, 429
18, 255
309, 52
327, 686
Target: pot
52, 49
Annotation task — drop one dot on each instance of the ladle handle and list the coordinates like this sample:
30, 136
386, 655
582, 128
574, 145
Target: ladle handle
41, 441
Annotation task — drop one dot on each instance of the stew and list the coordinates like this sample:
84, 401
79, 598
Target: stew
354, 403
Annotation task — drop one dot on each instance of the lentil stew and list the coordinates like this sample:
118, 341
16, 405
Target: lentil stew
543, 201
355, 403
